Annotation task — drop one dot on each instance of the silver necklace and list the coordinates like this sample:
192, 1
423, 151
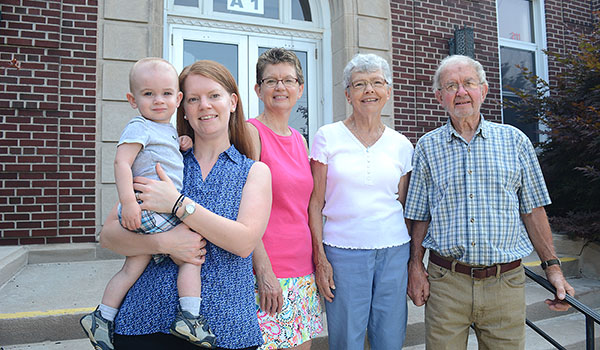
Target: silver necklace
356, 133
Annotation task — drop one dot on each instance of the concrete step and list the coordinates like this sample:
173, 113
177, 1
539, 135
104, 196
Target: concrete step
568, 330
50, 288
75, 344
51, 298
12, 260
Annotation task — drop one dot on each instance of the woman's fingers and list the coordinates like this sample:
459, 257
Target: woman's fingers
162, 174
157, 195
279, 303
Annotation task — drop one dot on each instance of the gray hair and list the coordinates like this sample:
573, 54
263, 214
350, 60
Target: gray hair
366, 63
458, 59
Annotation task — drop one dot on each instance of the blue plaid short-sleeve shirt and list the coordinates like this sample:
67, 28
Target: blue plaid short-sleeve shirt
474, 192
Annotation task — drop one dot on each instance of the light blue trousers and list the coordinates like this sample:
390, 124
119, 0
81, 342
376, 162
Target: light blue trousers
370, 295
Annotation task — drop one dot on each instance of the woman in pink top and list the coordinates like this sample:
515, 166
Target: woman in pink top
288, 306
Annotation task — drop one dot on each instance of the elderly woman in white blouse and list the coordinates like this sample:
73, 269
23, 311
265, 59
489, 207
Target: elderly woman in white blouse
361, 170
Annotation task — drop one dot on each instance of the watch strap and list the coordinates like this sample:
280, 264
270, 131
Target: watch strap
178, 204
550, 262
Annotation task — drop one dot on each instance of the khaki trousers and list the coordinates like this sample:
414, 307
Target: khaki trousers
495, 306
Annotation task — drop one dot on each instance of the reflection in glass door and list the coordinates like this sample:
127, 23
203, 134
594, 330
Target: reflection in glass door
226, 54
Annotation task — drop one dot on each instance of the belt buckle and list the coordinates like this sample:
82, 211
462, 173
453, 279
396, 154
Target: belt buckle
473, 269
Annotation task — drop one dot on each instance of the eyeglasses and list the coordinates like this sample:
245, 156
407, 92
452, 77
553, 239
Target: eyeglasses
453, 87
272, 82
362, 84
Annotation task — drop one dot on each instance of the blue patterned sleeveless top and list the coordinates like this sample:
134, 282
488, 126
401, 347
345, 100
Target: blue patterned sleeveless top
227, 281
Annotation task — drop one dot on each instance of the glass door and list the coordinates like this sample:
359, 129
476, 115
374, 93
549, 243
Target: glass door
239, 53
230, 50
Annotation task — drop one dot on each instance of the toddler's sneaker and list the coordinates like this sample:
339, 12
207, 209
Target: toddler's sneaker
99, 330
193, 329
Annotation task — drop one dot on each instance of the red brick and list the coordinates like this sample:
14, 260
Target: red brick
83, 222
15, 233
44, 216
70, 231
6, 225
45, 167
16, 217
57, 240
84, 239
29, 224
17, 167
7, 242
26, 241
51, 224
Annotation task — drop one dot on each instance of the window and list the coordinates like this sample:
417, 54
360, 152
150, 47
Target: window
258, 8
190, 3
515, 20
301, 10
278, 10
521, 32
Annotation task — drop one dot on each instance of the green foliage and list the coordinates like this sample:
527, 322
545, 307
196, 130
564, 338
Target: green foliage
570, 114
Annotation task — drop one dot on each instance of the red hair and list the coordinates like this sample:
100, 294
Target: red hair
238, 134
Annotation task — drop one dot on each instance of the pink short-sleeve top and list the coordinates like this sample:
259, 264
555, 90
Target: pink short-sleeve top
287, 238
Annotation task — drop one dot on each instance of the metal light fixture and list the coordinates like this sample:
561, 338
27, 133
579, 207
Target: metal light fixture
463, 42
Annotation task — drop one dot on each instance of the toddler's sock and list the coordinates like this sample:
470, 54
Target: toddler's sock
108, 312
190, 304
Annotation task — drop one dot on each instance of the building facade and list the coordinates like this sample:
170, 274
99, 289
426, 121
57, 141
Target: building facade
64, 66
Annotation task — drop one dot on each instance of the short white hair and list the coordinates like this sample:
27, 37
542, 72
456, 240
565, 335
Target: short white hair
458, 59
366, 63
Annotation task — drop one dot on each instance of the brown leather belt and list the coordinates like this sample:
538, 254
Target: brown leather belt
474, 272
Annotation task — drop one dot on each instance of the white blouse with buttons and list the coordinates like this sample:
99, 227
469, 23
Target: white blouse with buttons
361, 209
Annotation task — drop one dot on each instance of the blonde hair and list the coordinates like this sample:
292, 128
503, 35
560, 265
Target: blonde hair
145, 63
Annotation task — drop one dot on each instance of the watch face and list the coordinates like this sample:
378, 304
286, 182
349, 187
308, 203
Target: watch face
190, 208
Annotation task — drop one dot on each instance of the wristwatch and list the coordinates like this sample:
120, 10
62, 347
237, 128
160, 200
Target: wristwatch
550, 262
188, 210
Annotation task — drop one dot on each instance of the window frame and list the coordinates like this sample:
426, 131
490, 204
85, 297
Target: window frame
205, 11
537, 47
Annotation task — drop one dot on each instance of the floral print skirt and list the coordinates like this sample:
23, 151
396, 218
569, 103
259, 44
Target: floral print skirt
300, 317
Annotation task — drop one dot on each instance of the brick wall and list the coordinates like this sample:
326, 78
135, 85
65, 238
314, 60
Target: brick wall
48, 97
420, 34
48, 121
565, 22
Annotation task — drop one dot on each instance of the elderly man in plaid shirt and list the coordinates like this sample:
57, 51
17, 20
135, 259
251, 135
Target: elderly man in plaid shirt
476, 200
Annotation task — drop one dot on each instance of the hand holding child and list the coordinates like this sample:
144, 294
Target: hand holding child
185, 143
131, 215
